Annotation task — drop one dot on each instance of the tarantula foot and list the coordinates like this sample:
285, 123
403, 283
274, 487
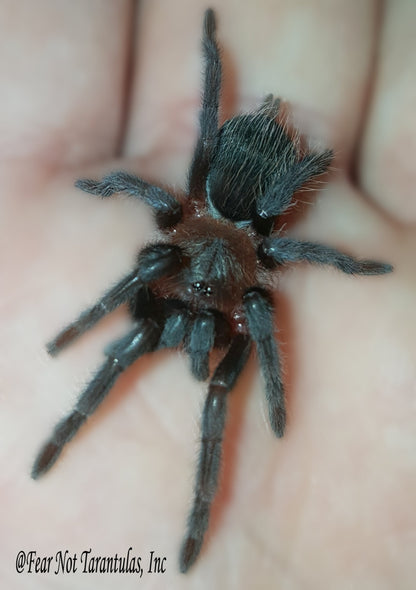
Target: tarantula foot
278, 421
371, 267
45, 459
189, 552
63, 433
67, 335
93, 187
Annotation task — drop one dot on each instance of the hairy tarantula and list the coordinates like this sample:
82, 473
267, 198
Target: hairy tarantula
200, 285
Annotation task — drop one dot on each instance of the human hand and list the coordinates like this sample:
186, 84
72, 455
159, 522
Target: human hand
330, 504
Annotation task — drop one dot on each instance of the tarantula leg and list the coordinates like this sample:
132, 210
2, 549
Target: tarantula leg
167, 210
158, 260
121, 354
154, 262
213, 422
208, 117
259, 314
117, 295
200, 343
274, 251
279, 196
175, 329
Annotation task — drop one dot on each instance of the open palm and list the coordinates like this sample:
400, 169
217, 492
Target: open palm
330, 505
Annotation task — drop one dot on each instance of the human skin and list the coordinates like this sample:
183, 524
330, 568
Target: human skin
332, 504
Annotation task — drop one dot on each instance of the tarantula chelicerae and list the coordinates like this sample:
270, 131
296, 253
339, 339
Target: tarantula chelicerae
200, 285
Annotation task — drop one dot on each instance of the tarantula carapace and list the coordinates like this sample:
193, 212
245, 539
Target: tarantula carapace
201, 284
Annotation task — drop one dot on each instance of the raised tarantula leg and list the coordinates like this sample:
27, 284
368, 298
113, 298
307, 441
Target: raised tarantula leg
208, 116
154, 262
200, 343
166, 208
259, 314
279, 196
121, 354
274, 251
213, 421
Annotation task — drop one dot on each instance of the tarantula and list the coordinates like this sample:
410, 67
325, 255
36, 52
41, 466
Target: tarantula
200, 285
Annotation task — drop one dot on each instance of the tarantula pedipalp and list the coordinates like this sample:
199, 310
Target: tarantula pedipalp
200, 285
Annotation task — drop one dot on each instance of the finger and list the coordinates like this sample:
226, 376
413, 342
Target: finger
316, 55
62, 67
387, 167
166, 86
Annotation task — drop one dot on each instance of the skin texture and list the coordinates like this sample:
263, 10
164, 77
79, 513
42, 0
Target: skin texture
332, 504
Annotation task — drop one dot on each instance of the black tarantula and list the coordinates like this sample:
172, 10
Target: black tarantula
200, 285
